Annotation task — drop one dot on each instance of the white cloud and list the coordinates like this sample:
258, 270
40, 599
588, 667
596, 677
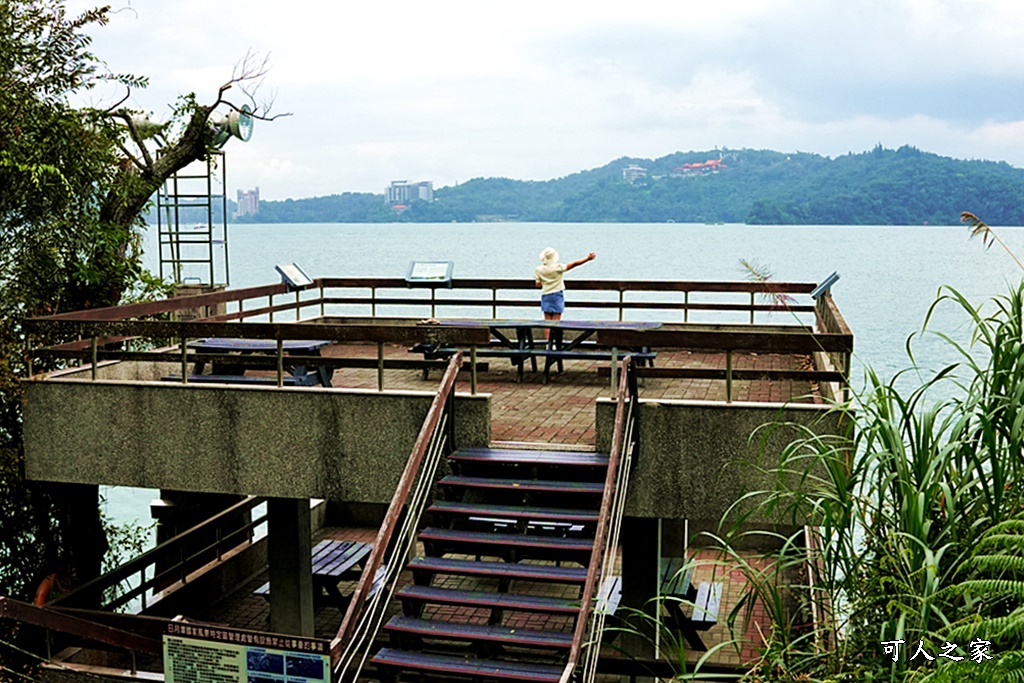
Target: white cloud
450, 90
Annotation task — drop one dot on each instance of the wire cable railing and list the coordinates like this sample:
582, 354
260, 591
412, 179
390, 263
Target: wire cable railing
586, 642
353, 643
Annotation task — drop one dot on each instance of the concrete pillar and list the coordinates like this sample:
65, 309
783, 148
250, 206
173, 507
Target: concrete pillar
640, 567
290, 567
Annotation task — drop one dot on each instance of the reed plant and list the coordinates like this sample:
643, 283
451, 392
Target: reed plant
918, 508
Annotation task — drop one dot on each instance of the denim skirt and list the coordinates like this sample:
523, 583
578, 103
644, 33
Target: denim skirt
553, 302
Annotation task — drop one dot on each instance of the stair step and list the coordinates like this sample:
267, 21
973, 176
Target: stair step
481, 599
519, 512
461, 666
524, 485
504, 570
521, 546
519, 637
531, 457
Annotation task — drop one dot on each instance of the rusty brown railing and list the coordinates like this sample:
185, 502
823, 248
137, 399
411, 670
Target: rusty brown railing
351, 646
170, 562
590, 622
71, 625
100, 335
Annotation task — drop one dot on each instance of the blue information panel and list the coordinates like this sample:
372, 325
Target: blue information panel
202, 654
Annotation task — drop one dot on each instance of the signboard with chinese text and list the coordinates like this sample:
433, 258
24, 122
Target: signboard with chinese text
204, 654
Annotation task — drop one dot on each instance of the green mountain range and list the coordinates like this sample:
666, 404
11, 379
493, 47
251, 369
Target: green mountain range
904, 186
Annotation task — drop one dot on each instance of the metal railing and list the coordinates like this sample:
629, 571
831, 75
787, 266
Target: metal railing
590, 622
99, 335
366, 612
173, 561
81, 627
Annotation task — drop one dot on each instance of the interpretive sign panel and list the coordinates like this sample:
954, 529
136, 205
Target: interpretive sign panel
205, 654
430, 273
293, 276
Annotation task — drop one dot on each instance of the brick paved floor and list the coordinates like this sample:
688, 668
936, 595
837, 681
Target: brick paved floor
563, 411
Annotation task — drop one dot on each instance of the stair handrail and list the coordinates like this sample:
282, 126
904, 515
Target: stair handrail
590, 622
365, 612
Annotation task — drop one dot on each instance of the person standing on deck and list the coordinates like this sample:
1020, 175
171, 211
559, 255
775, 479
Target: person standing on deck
549, 276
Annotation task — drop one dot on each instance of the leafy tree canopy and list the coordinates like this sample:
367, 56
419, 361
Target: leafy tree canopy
73, 185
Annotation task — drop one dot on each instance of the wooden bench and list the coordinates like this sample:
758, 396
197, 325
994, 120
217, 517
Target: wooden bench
609, 595
333, 561
706, 598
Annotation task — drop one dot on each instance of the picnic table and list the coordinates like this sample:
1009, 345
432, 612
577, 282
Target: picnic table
299, 374
706, 598
333, 561
514, 339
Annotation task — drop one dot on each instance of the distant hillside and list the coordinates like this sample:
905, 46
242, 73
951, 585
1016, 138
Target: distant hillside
882, 187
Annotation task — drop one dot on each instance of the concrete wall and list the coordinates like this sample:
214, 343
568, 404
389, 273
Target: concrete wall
309, 442
697, 458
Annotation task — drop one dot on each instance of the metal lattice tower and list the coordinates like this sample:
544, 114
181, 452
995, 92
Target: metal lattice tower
193, 239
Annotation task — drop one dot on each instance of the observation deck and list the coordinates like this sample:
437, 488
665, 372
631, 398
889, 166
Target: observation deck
132, 400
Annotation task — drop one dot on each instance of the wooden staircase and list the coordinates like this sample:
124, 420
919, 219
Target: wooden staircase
497, 594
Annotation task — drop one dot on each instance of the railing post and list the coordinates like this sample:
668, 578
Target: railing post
380, 366
847, 357
615, 369
686, 307
622, 294
95, 356
494, 303
184, 360
472, 369
752, 301
280, 362
373, 302
728, 376
323, 314
433, 302
142, 582
270, 302
298, 305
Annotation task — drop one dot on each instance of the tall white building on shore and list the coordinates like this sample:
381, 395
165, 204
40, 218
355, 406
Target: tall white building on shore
248, 202
404, 192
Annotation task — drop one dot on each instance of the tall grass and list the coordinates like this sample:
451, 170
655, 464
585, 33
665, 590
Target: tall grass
918, 507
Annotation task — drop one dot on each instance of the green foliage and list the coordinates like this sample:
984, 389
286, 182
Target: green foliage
918, 508
882, 187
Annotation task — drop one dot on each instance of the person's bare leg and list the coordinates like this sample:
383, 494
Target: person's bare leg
550, 316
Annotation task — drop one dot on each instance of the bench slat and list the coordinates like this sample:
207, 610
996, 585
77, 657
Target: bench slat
706, 606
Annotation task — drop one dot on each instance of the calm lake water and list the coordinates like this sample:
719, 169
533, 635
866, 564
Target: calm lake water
890, 275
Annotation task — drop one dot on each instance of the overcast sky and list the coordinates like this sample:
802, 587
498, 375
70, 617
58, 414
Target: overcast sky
449, 91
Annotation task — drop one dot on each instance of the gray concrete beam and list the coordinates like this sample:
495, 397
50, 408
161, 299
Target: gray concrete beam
280, 442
